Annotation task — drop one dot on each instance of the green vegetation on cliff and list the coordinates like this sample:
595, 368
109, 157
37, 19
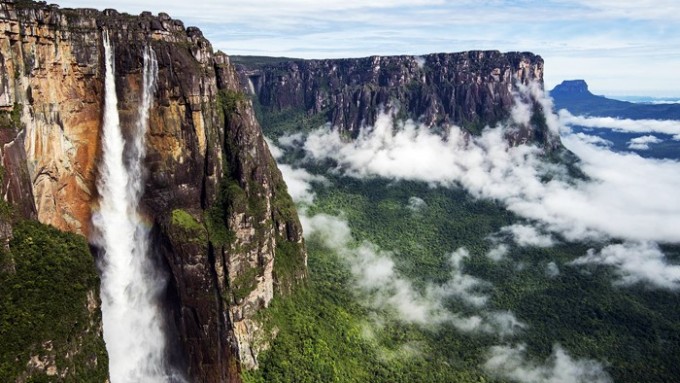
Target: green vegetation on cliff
324, 336
11, 119
49, 310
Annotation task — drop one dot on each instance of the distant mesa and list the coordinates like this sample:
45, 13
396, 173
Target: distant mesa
574, 96
571, 87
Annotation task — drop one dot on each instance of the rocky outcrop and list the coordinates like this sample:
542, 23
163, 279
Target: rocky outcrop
44, 71
470, 89
222, 218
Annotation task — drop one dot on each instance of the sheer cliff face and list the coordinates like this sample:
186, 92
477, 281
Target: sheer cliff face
222, 218
470, 89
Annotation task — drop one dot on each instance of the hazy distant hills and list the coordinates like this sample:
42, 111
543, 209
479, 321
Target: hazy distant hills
576, 98
648, 139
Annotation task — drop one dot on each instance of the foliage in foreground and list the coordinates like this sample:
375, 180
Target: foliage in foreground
45, 279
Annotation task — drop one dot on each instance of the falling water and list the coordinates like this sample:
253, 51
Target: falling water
130, 287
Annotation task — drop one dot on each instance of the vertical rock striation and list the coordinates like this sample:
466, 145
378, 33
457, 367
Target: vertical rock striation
470, 89
222, 221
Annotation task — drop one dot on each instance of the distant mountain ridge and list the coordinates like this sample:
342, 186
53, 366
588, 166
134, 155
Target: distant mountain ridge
472, 89
574, 96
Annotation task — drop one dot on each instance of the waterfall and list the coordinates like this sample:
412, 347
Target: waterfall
130, 285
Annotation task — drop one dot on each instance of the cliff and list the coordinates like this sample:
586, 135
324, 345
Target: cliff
221, 218
469, 89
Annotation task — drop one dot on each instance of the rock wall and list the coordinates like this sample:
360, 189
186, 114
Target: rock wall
48, 75
222, 218
469, 89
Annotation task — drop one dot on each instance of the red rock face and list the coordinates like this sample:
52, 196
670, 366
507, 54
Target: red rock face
50, 83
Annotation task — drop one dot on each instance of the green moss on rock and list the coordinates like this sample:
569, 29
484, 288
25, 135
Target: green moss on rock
186, 226
244, 284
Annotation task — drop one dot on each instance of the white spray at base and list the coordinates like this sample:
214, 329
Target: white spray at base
130, 287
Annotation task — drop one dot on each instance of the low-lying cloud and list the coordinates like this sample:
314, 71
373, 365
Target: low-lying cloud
671, 127
384, 288
636, 263
498, 252
526, 235
416, 205
299, 182
615, 203
626, 196
551, 270
643, 142
594, 140
511, 362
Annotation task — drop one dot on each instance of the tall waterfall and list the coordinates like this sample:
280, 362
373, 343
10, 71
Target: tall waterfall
130, 287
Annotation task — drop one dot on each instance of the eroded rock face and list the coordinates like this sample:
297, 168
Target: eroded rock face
470, 89
49, 76
222, 218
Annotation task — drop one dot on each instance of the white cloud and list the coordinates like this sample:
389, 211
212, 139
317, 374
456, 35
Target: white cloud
505, 323
525, 235
460, 285
569, 34
299, 182
375, 272
642, 143
512, 363
636, 263
416, 205
593, 140
384, 289
641, 9
622, 125
387, 290
276, 152
614, 203
551, 270
617, 200
664, 102
291, 140
498, 252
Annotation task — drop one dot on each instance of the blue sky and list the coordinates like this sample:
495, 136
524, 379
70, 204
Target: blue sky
619, 47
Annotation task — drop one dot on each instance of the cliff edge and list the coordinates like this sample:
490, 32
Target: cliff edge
221, 217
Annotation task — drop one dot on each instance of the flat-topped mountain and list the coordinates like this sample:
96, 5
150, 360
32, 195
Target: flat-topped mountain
574, 96
470, 89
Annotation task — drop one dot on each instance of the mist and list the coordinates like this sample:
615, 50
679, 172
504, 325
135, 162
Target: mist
636, 263
386, 291
511, 362
670, 127
612, 203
